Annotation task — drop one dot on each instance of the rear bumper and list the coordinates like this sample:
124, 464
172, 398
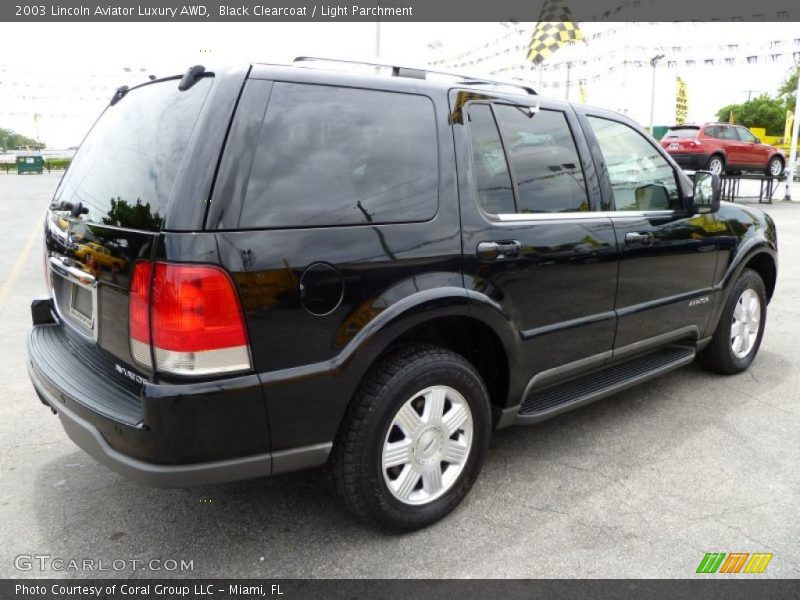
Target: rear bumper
691, 161
183, 434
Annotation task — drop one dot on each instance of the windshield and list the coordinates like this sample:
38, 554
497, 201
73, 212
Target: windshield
124, 171
682, 132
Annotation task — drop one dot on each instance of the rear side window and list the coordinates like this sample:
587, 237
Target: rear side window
339, 156
544, 160
492, 179
682, 132
545, 173
125, 169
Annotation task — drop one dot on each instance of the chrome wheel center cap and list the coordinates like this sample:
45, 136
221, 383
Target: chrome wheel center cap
428, 444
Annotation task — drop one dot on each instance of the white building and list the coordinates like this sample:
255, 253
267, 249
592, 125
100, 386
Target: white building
721, 63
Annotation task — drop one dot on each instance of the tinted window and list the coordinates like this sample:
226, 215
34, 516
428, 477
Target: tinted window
682, 132
745, 135
492, 178
335, 156
641, 178
544, 160
728, 133
133, 153
712, 131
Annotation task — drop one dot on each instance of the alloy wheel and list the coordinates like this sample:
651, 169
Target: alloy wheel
715, 165
746, 323
427, 445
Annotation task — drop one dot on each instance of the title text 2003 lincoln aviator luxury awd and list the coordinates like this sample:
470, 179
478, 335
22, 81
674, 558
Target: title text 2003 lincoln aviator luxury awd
261, 269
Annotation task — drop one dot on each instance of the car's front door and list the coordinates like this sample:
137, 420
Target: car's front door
533, 243
755, 153
667, 254
734, 147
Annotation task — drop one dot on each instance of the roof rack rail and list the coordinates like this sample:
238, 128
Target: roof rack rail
417, 73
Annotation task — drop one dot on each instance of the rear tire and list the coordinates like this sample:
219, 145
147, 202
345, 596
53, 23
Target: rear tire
775, 166
741, 326
420, 412
716, 164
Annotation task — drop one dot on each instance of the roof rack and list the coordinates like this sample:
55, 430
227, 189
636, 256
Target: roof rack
416, 73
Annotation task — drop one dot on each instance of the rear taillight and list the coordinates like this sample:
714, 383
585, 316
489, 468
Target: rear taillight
190, 315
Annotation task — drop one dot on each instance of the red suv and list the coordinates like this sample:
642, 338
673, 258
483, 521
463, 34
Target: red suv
721, 148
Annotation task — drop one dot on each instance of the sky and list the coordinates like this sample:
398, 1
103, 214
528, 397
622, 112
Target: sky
65, 73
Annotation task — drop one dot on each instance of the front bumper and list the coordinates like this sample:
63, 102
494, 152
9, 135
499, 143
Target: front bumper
691, 161
169, 435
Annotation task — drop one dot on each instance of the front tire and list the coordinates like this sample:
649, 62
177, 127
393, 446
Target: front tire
738, 335
775, 166
414, 438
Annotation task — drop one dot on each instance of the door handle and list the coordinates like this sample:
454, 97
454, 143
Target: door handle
634, 237
490, 251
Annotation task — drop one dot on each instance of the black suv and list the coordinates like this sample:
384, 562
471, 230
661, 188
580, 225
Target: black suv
262, 269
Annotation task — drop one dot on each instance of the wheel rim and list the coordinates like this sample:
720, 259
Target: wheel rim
427, 445
775, 167
746, 322
715, 166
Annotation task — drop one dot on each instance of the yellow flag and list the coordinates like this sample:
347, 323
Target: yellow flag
787, 128
581, 93
731, 118
554, 29
681, 101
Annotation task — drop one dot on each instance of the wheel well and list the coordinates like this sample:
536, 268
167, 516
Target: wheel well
778, 156
720, 154
474, 341
764, 265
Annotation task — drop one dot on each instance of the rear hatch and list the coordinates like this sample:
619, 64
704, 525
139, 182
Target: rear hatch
107, 215
682, 138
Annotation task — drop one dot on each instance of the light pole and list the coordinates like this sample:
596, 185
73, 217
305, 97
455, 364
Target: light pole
653, 63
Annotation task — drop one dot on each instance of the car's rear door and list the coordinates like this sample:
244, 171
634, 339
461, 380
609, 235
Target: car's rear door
535, 245
667, 254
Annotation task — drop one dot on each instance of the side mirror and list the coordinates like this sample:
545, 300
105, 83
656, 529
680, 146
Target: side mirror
707, 192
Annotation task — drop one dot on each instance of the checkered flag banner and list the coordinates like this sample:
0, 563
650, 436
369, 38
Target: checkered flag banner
555, 28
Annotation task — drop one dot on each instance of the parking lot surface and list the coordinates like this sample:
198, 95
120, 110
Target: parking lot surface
641, 484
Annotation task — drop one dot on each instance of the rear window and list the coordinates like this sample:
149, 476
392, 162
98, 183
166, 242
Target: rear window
682, 132
339, 156
124, 171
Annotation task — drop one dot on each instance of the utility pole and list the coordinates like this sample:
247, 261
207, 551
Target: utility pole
653, 63
790, 169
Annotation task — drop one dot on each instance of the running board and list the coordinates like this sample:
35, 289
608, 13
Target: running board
550, 401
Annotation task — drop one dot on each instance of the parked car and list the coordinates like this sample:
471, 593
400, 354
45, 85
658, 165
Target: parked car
722, 148
378, 272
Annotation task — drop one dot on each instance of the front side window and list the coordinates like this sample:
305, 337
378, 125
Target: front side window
337, 156
746, 136
641, 179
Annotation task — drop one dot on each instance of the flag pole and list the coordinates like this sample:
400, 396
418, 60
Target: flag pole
792, 166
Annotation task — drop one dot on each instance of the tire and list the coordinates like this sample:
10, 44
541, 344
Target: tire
376, 421
716, 164
775, 166
724, 354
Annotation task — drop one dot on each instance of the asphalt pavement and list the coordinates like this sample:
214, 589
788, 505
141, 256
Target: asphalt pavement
641, 484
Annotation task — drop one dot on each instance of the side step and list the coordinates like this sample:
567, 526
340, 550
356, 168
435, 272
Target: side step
544, 403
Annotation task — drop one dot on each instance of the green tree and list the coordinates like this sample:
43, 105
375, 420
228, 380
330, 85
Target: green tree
10, 139
788, 90
761, 111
